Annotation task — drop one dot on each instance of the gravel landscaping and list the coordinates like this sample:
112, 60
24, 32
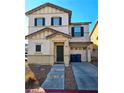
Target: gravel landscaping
94, 61
70, 82
40, 72
84, 70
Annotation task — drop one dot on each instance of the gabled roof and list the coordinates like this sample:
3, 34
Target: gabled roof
51, 5
44, 29
52, 35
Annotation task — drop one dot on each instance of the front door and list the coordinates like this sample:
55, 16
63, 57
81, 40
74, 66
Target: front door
59, 53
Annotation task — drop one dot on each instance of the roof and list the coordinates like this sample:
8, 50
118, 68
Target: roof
51, 5
66, 35
44, 29
48, 4
81, 23
94, 28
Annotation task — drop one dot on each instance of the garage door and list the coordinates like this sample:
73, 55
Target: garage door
75, 58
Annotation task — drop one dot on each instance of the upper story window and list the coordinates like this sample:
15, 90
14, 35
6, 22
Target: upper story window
55, 21
39, 21
77, 31
38, 48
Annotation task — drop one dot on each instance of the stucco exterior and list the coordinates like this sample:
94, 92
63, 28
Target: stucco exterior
55, 36
94, 39
47, 13
94, 35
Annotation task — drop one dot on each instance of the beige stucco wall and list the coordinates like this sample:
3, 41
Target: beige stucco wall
48, 17
66, 52
40, 59
47, 54
88, 55
85, 38
39, 38
94, 35
64, 29
94, 39
45, 46
82, 52
65, 41
47, 13
48, 9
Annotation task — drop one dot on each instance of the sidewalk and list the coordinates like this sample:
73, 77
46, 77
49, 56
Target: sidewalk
55, 78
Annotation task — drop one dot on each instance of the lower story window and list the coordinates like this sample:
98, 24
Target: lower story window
38, 48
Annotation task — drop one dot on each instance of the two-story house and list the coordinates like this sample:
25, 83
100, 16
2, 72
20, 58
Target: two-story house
53, 38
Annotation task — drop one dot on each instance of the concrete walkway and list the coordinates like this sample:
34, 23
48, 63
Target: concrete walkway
55, 78
86, 76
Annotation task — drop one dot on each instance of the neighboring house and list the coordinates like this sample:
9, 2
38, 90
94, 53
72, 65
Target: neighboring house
53, 38
26, 51
94, 39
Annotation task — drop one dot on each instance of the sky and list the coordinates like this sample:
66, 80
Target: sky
82, 10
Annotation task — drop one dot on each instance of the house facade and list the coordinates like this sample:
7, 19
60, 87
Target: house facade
53, 38
94, 45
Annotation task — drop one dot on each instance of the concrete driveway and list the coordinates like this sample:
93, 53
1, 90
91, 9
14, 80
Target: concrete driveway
55, 78
86, 75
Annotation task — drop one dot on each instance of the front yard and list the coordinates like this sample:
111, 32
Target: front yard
77, 76
38, 73
35, 75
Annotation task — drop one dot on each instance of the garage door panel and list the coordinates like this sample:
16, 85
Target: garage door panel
75, 58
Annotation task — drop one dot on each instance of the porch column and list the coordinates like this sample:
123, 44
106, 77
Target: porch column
52, 52
66, 53
88, 54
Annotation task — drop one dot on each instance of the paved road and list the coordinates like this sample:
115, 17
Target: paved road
55, 78
86, 76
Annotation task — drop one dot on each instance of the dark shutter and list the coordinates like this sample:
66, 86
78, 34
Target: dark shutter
72, 31
43, 21
35, 22
82, 31
51, 21
60, 21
